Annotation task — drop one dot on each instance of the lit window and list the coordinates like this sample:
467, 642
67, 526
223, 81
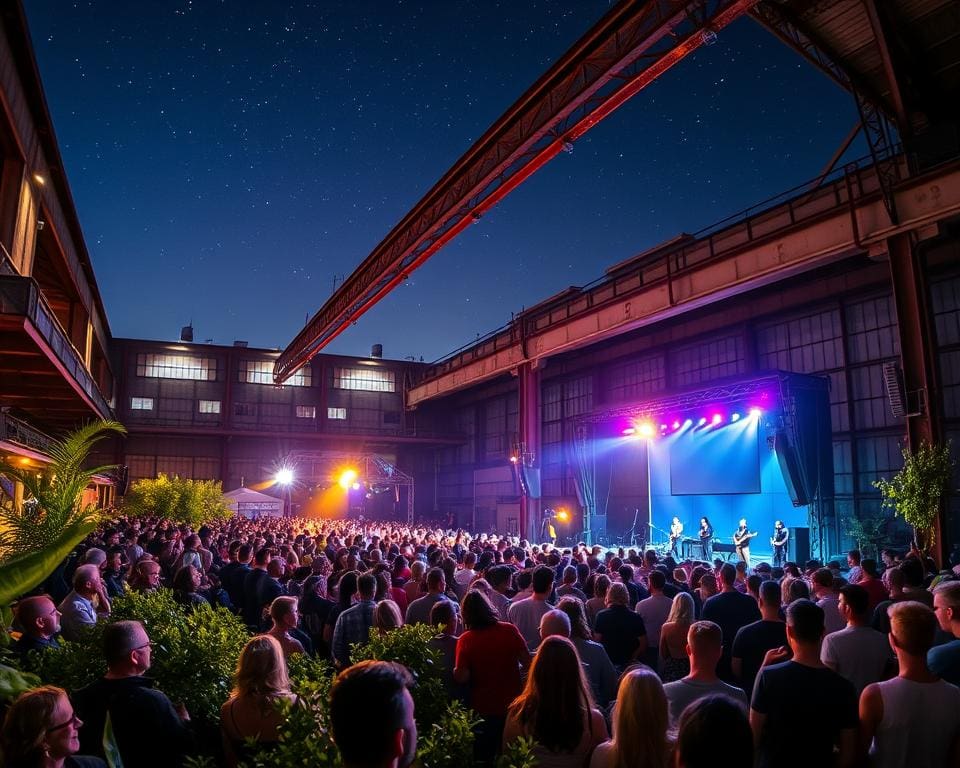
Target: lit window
209, 406
365, 379
177, 367
141, 403
337, 414
306, 412
261, 372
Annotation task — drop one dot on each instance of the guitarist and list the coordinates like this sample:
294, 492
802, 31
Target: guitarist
676, 532
741, 540
781, 535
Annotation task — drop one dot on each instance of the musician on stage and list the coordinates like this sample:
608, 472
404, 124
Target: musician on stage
742, 541
781, 535
706, 539
676, 533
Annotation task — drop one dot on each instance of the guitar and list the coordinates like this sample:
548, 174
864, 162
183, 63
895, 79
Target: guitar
675, 536
743, 539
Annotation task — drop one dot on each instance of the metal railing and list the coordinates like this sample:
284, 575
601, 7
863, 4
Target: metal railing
17, 431
22, 296
801, 204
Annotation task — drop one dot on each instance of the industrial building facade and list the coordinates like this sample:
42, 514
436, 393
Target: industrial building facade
212, 412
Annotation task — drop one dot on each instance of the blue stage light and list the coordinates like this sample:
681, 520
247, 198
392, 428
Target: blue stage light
703, 420
734, 417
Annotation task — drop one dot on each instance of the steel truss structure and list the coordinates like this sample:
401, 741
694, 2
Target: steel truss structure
372, 470
628, 49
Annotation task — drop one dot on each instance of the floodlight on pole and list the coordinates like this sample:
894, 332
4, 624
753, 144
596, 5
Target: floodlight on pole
284, 476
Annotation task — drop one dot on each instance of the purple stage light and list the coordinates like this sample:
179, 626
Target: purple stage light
717, 418
629, 431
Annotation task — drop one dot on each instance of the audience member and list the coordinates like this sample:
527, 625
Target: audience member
654, 611
39, 622
418, 612
730, 610
913, 719
597, 665
385, 734
944, 660
639, 725
793, 681
754, 640
620, 630
711, 726
556, 709
253, 712
491, 655
526, 613
353, 625
40, 730
858, 652
85, 605
674, 662
284, 617
149, 732
704, 647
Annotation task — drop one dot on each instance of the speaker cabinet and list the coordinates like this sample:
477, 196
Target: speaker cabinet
800, 545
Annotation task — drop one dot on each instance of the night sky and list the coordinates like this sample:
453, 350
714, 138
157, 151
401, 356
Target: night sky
228, 159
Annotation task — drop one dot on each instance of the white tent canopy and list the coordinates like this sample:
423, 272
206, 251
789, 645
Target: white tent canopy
252, 504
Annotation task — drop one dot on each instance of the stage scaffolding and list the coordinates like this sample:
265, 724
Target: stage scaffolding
373, 470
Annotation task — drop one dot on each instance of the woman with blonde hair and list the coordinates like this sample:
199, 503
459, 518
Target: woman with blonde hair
285, 615
253, 711
674, 662
556, 709
386, 616
42, 731
639, 724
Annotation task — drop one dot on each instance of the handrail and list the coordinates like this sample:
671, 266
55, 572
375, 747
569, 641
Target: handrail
672, 262
35, 307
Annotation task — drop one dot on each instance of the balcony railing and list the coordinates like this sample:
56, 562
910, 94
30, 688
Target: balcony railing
15, 430
21, 296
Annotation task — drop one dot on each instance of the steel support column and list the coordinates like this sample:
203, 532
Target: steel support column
528, 420
917, 350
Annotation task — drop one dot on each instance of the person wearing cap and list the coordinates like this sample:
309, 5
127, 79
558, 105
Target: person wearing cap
147, 730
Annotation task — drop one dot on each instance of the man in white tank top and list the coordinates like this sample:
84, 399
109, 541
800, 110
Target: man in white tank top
913, 719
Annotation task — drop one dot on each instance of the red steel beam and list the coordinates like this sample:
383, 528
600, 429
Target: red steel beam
625, 51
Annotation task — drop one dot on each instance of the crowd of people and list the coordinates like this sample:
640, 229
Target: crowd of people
603, 658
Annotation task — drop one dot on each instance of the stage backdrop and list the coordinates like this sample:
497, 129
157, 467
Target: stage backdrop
723, 474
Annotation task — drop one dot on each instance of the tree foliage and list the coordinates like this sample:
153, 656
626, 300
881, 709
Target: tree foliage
194, 502
37, 534
52, 501
915, 492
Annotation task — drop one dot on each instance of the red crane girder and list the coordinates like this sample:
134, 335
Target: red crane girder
624, 52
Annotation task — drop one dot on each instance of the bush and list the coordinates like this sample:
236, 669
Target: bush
194, 502
194, 654
410, 645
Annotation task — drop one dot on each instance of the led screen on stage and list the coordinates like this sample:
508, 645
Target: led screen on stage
716, 461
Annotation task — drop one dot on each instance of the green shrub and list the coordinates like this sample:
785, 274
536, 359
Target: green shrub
194, 502
518, 754
13, 682
194, 653
449, 742
410, 645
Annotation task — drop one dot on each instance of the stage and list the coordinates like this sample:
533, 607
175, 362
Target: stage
756, 449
